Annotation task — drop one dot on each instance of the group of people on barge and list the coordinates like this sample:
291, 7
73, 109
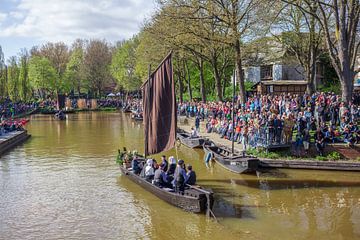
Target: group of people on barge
168, 174
281, 119
10, 126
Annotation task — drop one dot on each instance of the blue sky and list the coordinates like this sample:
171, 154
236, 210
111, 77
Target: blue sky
25, 23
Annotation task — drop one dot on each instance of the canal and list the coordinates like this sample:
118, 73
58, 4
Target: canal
63, 183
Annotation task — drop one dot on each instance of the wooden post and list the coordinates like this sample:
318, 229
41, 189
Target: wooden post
233, 114
147, 107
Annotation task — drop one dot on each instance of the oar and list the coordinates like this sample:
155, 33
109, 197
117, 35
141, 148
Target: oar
207, 194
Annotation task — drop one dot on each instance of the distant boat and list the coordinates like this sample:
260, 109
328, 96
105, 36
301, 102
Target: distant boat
135, 115
126, 109
236, 162
191, 142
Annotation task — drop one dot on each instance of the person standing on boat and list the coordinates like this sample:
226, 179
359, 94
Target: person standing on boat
197, 123
164, 163
191, 176
180, 177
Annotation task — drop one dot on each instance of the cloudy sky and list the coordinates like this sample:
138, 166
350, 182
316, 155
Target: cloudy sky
25, 23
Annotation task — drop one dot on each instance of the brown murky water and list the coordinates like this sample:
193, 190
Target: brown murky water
64, 184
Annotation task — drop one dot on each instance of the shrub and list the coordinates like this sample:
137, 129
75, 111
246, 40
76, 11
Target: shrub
334, 156
321, 158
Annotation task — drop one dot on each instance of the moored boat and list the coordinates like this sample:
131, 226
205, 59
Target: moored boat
192, 199
235, 162
186, 139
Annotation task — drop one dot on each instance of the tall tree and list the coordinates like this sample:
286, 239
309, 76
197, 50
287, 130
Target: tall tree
13, 79
42, 75
97, 65
75, 72
3, 75
340, 21
301, 36
58, 55
123, 65
24, 84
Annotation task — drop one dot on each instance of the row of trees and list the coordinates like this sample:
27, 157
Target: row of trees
217, 36
209, 39
55, 68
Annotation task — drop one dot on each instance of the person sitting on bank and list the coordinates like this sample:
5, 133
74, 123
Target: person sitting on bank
180, 177
160, 177
194, 133
164, 163
135, 166
191, 176
149, 170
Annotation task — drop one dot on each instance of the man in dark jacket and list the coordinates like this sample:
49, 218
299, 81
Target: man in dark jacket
191, 176
164, 163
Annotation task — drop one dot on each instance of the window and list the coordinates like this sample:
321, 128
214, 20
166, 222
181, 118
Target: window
266, 72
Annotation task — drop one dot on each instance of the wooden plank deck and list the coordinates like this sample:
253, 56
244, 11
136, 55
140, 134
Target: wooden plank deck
11, 140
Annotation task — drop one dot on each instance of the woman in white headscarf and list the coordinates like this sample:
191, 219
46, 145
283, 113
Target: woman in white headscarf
149, 169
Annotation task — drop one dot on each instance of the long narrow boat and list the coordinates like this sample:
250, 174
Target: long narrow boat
159, 115
192, 200
191, 142
236, 162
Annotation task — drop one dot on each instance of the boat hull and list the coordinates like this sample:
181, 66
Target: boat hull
235, 163
188, 141
192, 200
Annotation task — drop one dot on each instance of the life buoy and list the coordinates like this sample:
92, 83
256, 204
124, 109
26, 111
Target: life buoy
208, 157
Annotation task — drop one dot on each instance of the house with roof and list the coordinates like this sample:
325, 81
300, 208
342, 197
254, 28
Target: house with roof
274, 70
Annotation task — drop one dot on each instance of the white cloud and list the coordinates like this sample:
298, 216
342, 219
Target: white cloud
66, 20
2, 17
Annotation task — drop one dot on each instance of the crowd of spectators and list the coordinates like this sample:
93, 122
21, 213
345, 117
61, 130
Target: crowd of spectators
9, 109
285, 119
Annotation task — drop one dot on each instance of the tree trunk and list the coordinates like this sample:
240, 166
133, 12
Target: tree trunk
202, 80
347, 85
181, 87
217, 80
188, 81
239, 75
224, 87
313, 55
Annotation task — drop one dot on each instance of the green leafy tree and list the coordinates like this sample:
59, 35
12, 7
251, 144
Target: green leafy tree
123, 65
13, 79
24, 83
42, 75
3, 75
74, 73
97, 66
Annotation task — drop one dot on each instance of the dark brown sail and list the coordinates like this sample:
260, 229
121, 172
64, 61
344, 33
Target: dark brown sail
159, 104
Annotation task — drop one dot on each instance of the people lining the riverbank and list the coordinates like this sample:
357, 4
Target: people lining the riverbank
10, 109
269, 120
